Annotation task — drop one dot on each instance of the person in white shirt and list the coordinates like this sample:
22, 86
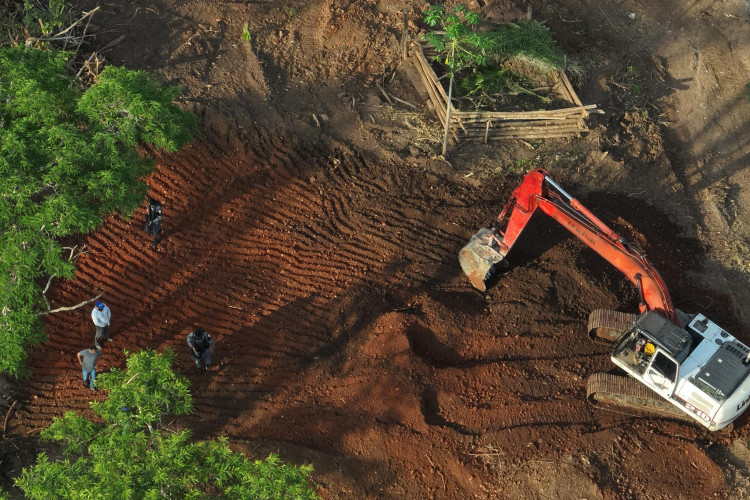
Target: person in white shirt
101, 316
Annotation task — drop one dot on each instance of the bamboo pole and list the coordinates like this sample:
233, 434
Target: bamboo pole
479, 132
405, 36
448, 117
495, 133
569, 86
500, 128
434, 98
430, 72
564, 135
498, 134
537, 123
483, 119
437, 103
515, 115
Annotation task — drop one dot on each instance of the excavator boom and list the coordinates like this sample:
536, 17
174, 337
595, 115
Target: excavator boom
537, 191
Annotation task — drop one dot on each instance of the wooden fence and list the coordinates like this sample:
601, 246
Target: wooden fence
487, 126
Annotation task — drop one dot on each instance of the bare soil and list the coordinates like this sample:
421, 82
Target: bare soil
314, 230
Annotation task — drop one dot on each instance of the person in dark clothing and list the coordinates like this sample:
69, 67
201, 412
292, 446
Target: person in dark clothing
153, 219
202, 345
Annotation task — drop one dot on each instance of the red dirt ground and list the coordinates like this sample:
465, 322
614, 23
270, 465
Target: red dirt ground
326, 268
348, 337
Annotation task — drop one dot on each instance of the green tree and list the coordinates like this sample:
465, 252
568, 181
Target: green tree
457, 44
130, 454
455, 40
510, 57
67, 159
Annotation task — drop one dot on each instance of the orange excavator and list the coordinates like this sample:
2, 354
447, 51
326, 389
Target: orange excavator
678, 365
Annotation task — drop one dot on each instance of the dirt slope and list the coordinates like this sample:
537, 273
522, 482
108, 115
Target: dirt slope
322, 256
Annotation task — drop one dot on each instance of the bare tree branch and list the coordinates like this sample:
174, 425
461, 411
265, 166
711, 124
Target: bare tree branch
72, 257
59, 36
60, 309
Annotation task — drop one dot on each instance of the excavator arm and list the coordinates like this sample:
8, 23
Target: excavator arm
537, 191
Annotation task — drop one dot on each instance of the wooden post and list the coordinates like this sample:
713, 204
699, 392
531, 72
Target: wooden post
405, 36
487, 131
448, 117
528, 12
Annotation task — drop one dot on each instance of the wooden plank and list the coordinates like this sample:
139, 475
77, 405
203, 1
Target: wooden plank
457, 121
567, 84
405, 36
438, 104
506, 117
529, 133
562, 90
505, 127
546, 121
498, 128
413, 73
520, 115
522, 123
431, 74
439, 107
534, 136
428, 85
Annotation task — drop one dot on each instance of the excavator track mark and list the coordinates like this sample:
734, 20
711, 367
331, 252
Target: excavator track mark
607, 390
609, 325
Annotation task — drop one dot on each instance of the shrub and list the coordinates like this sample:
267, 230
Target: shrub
129, 454
514, 58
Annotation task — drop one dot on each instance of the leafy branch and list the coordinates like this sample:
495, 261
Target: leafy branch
457, 44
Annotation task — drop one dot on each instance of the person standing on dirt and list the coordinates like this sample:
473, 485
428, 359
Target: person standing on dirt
202, 345
88, 358
101, 316
153, 219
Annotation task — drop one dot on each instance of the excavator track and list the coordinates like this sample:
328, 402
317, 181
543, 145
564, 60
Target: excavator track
609, 325
629, 395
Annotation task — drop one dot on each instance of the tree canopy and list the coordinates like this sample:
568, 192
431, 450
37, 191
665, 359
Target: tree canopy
127, 453
67, 159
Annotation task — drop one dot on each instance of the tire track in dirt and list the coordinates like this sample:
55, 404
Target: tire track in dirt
145, 288
285, 309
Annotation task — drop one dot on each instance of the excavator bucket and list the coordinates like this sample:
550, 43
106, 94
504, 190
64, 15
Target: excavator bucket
479, 257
